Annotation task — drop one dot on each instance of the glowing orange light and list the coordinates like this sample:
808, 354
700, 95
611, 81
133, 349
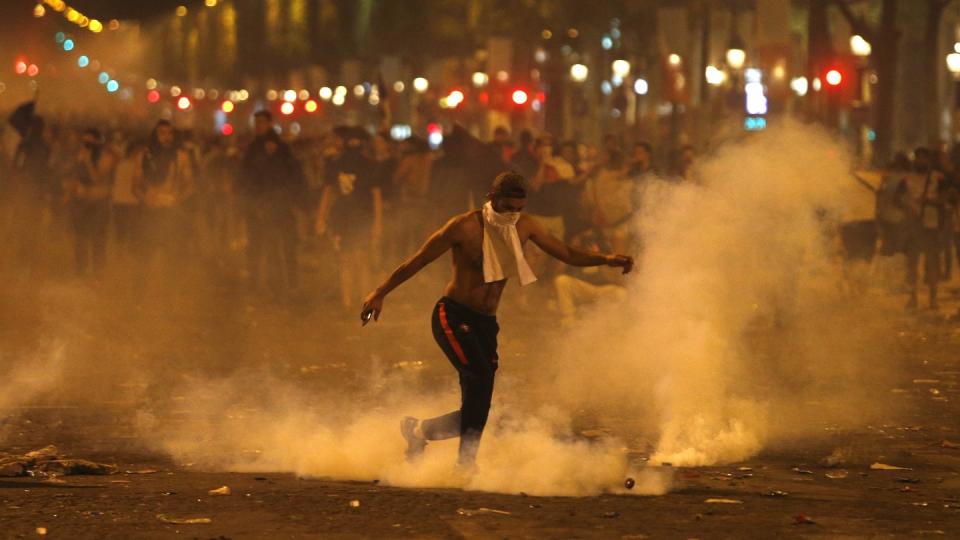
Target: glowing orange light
227, 129
183, 103
520, 97
287, 108
20, 67
311, 106
32, 70
227, 107
153, 96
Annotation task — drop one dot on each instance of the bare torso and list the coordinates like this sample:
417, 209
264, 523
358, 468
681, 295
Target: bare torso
467, 285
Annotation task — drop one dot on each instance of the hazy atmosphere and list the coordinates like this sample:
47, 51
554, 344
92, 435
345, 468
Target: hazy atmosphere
476, 269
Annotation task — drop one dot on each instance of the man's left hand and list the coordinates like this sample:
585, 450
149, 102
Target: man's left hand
621, 261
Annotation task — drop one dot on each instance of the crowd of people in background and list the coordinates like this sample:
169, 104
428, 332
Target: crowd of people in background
917, 205
154, 202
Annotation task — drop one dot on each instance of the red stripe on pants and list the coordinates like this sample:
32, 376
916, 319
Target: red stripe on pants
457, 349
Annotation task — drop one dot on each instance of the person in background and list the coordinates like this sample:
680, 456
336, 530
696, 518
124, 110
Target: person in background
163, 181
352, 207
682, 168
125, 207
29, 192
88, 190
920, 198
273, 186
412, 188
525, 160
384, 155
609, 195
641, 162
501, 144
949, 192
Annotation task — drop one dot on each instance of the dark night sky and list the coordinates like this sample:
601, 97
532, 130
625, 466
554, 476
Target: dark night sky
127, 9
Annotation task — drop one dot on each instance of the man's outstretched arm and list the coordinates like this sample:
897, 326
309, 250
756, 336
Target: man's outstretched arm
435, 246
574, 256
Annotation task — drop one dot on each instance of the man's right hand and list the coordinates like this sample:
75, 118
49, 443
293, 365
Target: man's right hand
372, 306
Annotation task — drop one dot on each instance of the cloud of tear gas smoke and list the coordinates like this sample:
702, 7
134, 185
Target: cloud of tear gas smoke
30, 379
357, 438
738, 327
737, 330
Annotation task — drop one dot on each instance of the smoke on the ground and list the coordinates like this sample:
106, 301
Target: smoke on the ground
739, 327
738, 330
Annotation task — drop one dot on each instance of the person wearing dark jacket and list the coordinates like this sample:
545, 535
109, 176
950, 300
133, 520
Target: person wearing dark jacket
351, 209
271, 185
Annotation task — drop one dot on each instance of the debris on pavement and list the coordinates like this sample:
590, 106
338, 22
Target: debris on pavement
803, 520
837, 475
141, 471
223, 490
947, 444
837, 458
884, 467
184, 521
42, 531
355, 503
798, 470
48, 462
610, 514
777, 493
478, 511
723, 501
629, 483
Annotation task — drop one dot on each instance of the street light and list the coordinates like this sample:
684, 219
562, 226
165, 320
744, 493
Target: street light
621, 68
480, 79
859, 46
800, 86
579, 72
953, 63
641, 87
420, 85
714, 76
736, 54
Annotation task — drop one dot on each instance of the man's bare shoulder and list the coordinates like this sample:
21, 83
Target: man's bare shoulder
466, 220
527, 225
462, 226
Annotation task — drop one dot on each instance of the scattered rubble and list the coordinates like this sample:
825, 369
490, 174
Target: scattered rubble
47, 461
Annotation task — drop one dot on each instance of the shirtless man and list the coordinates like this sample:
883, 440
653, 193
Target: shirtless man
486, 246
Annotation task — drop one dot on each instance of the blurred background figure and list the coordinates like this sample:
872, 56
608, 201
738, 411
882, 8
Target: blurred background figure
164, 180
29, 188
125, 207
413, 187
272, 185
88, 191
351, 209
